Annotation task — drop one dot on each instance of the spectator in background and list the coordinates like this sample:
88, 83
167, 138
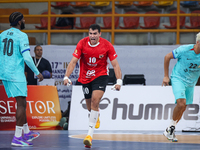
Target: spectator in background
41, 63
14, 48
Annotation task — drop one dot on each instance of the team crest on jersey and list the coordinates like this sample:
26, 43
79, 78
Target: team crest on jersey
75, 51
101, 56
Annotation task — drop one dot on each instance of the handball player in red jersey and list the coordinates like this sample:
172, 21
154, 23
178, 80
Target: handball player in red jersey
93, 52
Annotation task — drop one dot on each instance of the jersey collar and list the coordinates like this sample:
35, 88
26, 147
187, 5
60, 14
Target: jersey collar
95, 44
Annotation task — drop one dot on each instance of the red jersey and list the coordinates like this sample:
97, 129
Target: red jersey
93, 58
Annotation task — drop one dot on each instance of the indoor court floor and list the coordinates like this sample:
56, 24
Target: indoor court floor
105, 140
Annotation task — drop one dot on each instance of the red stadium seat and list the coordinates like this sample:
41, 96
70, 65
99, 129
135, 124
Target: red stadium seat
60, 4
121, 4
44, 21
143, 4
173, 20
130, 22
86, 21
194, 20
151, 22
107, 21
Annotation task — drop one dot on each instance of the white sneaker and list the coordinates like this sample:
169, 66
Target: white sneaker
169, 133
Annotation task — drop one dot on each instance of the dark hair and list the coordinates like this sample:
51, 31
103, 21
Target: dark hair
37, 46
94, 27
14, 18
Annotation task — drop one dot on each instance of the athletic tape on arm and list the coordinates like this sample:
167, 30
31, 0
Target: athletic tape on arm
69, 81
119, 82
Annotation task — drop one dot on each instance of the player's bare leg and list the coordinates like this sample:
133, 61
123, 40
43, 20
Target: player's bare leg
96, 97
179, 109
177, 114
20, 121
21, 111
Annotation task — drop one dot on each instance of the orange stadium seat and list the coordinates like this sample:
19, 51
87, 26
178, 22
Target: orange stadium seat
44, 21
32, 40
124, 4
194, 20
130, 22
99, 4
151, 22
80, 4
107, 21
173, 20
163, 3
85, 22
25, 11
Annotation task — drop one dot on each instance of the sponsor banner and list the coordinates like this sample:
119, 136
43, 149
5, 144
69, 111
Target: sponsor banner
59, 58
43, 108
134, 108
147, 60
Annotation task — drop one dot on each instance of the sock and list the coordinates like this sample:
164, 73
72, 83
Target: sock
92, 122
18, 131
173, 123
26, 128
89, 114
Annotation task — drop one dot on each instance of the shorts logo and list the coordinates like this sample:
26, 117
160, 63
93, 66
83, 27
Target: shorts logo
86, 90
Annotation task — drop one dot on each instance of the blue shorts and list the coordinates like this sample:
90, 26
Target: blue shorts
180, 90
14, 89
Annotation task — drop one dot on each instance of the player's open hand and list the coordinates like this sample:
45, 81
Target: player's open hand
40, 77
165, 81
